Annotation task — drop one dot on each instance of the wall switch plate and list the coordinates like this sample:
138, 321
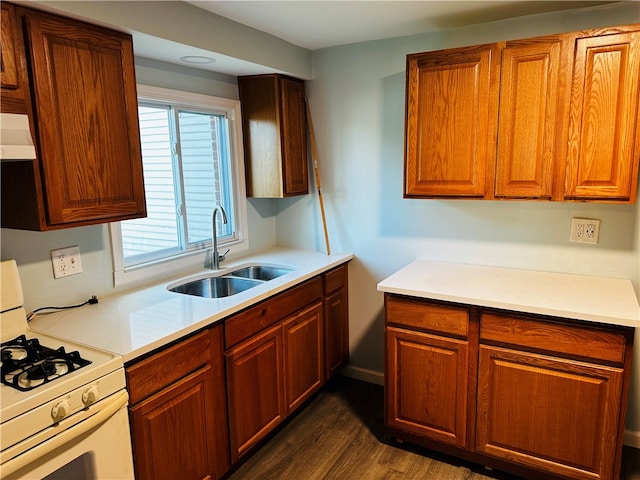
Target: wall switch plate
66, 261
585, 230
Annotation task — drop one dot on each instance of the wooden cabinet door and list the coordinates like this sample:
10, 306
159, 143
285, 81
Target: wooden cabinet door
173, 430
604, 135
336, 331
294, 137
426, 385
8, 53
451, 122
13, 80
548, 413
530, 120
254, 389
87, 121
304, 355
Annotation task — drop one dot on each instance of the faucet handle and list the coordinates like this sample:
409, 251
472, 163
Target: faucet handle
222, 256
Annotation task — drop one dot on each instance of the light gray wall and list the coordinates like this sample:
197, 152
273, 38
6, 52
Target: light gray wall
357, 103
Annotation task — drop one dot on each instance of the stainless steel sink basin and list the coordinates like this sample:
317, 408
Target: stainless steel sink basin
215, 287
224, 284
261, 272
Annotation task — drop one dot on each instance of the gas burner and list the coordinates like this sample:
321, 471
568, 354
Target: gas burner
26, 364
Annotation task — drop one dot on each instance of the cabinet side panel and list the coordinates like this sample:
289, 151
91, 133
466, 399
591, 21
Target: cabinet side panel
261, 124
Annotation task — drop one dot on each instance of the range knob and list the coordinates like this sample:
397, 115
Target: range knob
91, 395
61, 409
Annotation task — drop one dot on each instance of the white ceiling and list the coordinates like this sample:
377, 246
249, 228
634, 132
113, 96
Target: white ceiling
315, 24
318, 24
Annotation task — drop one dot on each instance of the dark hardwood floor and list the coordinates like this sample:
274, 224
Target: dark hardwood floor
340, 435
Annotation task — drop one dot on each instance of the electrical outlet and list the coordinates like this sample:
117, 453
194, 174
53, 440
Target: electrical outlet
584, 230
66, 261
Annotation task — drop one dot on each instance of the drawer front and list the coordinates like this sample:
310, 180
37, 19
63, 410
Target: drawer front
335, 279
421, 314
251, 321
162, 369
559, 338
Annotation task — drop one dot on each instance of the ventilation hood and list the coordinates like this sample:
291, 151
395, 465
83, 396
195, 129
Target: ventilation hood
16, 142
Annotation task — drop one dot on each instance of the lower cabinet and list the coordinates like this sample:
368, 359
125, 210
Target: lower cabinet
336, 318
255, 389
549, 413
201, 404
303, 356
178, 412
272, 372
429, 395
540, 397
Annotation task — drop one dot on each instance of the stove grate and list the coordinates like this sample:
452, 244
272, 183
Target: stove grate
27, 365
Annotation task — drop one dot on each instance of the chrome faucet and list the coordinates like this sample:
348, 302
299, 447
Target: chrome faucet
213, 258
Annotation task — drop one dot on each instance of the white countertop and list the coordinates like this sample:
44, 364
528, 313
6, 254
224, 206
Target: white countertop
595, 299
139, 321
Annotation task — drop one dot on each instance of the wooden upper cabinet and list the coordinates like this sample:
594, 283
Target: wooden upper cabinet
451, 115
547, 118
89, 166
275, 137
15, 93
8, 54
87, 120
530, 117
604, 135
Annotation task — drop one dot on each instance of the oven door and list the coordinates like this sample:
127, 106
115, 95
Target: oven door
98, 447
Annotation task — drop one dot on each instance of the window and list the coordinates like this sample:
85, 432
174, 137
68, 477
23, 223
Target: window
192, 160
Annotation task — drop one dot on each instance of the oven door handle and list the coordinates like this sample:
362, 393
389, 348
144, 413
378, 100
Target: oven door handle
116, 402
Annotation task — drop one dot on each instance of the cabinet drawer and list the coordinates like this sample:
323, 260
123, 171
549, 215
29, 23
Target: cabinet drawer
335, 279
427, 316
559, 338
251, 321
164, 368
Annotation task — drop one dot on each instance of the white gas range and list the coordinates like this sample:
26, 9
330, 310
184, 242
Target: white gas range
63, 406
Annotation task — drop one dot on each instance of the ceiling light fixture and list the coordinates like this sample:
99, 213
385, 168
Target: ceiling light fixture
197, 59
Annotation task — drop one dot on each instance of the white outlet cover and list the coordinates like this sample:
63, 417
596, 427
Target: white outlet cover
585, 230
66, 261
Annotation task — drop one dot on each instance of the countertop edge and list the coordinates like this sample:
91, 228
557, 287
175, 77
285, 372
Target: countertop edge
110, 325
461, 284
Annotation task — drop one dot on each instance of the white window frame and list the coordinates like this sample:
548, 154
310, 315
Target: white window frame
161, 268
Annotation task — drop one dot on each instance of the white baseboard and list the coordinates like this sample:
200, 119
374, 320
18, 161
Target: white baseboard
631, 437
364, 374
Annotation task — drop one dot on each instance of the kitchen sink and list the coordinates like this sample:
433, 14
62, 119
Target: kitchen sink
215, 287
261, 272
219, 285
